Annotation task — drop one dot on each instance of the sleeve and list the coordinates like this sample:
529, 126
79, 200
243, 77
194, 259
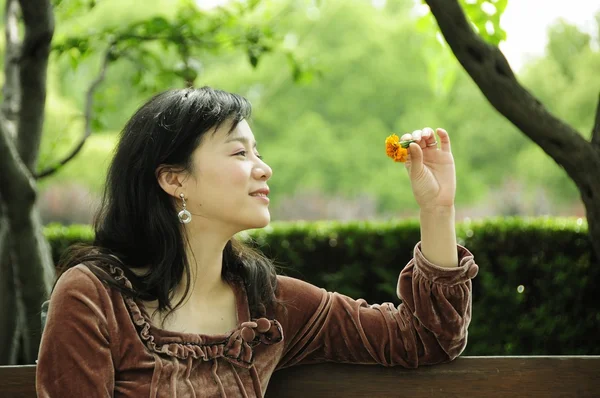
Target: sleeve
429, 327
75, 357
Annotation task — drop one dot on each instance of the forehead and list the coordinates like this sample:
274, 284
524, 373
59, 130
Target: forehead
225, 133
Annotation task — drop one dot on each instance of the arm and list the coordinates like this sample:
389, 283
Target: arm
75, 358
431, 324
429, 327
438, 236
433, 181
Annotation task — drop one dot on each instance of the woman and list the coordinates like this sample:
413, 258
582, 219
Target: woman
166, 303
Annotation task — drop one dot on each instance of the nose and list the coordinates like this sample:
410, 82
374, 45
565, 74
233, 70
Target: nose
262, 170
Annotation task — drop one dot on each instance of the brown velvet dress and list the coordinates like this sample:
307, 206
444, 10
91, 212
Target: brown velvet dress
97, 343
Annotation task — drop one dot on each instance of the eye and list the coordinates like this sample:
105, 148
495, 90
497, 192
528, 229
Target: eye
243, 153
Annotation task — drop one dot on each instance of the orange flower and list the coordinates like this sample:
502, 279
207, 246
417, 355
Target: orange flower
391, 145
397, 149
401, 155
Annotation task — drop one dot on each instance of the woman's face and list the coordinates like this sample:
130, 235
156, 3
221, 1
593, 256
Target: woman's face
226, 170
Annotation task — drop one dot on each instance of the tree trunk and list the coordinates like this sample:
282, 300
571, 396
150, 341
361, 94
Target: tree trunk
33, 64
34, 274
27, 276
489, 69
9, 318
592, 210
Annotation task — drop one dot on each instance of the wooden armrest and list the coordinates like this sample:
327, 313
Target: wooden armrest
542, 376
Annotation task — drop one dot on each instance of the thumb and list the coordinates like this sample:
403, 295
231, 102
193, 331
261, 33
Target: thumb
416, 159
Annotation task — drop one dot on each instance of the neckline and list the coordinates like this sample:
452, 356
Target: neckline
236, 346
141, 318
166, 335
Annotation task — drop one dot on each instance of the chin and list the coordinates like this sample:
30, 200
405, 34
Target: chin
264, 222
257, 223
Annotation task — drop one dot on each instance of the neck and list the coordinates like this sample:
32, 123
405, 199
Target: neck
205, 256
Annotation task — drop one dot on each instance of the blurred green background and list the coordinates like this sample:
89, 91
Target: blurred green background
329, 80
341, 76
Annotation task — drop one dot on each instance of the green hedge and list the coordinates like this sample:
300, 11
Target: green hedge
534, 294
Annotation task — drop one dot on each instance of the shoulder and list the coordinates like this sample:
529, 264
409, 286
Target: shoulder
288, 287
299, 296
79, 285
79, 277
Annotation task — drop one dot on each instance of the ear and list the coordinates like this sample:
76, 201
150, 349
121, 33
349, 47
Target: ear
170, 180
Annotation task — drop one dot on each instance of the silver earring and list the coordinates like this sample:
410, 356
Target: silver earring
184, 216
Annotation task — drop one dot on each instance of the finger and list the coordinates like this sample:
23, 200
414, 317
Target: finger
444, 140
417, 135
416, 159
429, 137
406, 137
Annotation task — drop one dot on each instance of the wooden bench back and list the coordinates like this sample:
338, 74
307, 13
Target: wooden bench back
557, 376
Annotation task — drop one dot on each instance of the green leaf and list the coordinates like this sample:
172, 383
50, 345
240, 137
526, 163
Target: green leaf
74, 56
253, 58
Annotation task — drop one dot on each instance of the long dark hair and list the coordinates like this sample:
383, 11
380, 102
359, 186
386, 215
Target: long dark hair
137, 226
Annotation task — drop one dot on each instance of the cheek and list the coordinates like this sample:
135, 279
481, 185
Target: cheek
225, 183
239, 176
233, 177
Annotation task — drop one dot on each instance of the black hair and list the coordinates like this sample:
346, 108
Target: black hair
137, 226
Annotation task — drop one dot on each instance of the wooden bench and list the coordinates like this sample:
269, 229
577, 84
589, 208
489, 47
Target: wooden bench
543, 376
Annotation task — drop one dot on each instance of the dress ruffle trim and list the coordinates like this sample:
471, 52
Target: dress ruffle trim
237, 347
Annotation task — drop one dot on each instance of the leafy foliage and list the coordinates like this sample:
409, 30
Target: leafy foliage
485, 15
328, 84
178, 33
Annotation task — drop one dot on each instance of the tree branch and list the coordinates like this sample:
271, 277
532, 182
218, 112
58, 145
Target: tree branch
89, 105
489, 69
16, 183
39, 28
11, 90
596, 128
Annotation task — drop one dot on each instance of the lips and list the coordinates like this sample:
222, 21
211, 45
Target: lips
260, 192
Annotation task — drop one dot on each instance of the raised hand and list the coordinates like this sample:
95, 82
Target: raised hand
431, 168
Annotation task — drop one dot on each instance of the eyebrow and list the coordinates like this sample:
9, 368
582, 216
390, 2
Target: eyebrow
243, 140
